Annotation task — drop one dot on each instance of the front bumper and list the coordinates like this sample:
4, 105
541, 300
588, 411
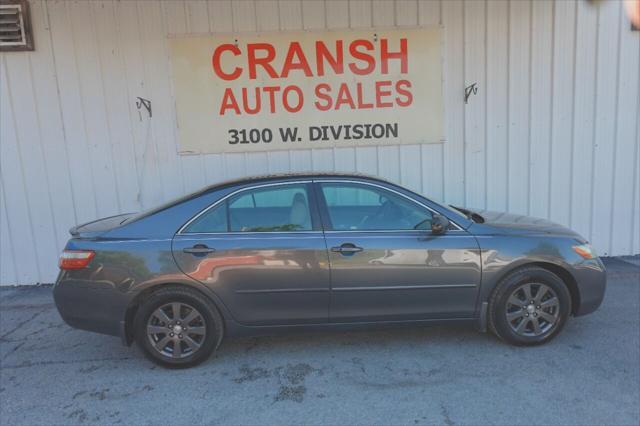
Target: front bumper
591, 277
90, 304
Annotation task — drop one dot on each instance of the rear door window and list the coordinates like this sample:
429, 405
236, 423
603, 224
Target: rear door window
271, 209
283, 208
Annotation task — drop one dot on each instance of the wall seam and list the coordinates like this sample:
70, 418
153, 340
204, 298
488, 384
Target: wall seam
22, 172
10, 238
573, 111
594, 125
41, 151
106, 108
615, 130
551, 108
61, 112
507, 149
82, 107
529, 118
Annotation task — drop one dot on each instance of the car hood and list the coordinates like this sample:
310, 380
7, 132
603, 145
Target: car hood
521, 223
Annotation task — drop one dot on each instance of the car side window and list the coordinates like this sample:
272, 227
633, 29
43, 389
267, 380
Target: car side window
356, 207
270, 209
212, 221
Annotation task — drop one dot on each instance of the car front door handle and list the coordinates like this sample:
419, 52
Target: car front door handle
199, 249
346, 249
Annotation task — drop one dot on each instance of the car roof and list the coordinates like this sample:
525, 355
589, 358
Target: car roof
289, 176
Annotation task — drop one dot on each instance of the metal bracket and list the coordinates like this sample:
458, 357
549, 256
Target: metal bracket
469, 90
146, 103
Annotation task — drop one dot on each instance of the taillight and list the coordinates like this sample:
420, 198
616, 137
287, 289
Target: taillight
75, 259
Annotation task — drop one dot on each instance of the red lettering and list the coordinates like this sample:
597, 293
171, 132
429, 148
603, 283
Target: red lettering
360, 96
295, 51
264, 62
215, 61
344, 97
229, 102
285, 99
408, 96
322, 54
385, 55
362, 56
322, 92
271, 90
380, 93
245, 101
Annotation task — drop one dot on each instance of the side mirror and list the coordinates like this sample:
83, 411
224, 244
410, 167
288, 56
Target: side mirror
439, 224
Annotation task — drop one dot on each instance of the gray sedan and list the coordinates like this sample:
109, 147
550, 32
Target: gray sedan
312, 252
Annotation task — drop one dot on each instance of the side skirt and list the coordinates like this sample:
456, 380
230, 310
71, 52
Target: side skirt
236, 330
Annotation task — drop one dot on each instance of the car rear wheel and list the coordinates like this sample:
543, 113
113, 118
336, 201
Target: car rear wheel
529, 306
177, 327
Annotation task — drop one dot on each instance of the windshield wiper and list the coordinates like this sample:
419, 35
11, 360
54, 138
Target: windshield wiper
469, 214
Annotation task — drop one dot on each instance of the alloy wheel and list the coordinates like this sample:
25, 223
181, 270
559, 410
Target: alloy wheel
533, 309
176, 330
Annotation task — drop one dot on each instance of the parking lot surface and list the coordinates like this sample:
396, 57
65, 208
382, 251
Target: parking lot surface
590, 374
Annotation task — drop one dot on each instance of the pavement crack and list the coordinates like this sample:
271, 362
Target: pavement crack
23, 323
445, 414
13, 350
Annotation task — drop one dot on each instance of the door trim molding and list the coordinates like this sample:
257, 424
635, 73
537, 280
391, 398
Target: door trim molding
283, 290
405, 287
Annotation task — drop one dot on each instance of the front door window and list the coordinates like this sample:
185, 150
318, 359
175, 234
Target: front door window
354, 207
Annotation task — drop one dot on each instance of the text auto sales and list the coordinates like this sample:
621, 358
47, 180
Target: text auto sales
359, 57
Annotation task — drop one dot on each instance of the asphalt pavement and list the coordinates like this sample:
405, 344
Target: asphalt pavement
590, 374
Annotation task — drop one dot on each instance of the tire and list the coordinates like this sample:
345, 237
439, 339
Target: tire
516, 320
177, 341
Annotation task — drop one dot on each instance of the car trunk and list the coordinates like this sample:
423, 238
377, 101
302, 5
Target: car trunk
98, 227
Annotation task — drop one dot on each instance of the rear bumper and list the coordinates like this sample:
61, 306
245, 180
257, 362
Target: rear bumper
591, 277
90, 305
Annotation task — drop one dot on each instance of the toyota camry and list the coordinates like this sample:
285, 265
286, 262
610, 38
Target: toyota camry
319, 251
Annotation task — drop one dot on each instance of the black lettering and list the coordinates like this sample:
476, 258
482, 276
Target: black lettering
392, 129
324, 133
367, 128
234, 136
347, 131
334, 133
315, 133
288, 134
357, 131
378, 131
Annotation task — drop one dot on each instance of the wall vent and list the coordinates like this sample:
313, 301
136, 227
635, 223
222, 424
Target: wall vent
15, 26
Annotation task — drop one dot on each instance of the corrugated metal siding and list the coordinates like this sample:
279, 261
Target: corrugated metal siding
553, 131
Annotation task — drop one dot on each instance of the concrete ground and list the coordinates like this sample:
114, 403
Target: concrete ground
52, 374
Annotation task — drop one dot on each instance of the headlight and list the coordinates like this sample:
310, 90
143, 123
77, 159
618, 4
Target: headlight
585, 251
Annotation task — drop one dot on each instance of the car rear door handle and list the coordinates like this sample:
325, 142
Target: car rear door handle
346, 248
199, 249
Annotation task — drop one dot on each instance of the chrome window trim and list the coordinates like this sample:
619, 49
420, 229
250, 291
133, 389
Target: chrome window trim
390, 190
231, 194
264, 185
252, 234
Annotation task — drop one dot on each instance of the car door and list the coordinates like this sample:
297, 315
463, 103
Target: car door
262, 251
386, 264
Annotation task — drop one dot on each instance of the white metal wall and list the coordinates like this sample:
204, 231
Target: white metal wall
552, 131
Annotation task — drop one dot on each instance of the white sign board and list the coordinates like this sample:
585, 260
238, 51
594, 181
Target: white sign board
296, 90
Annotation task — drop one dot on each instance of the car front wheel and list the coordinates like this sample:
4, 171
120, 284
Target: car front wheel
529, 306
177, 327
